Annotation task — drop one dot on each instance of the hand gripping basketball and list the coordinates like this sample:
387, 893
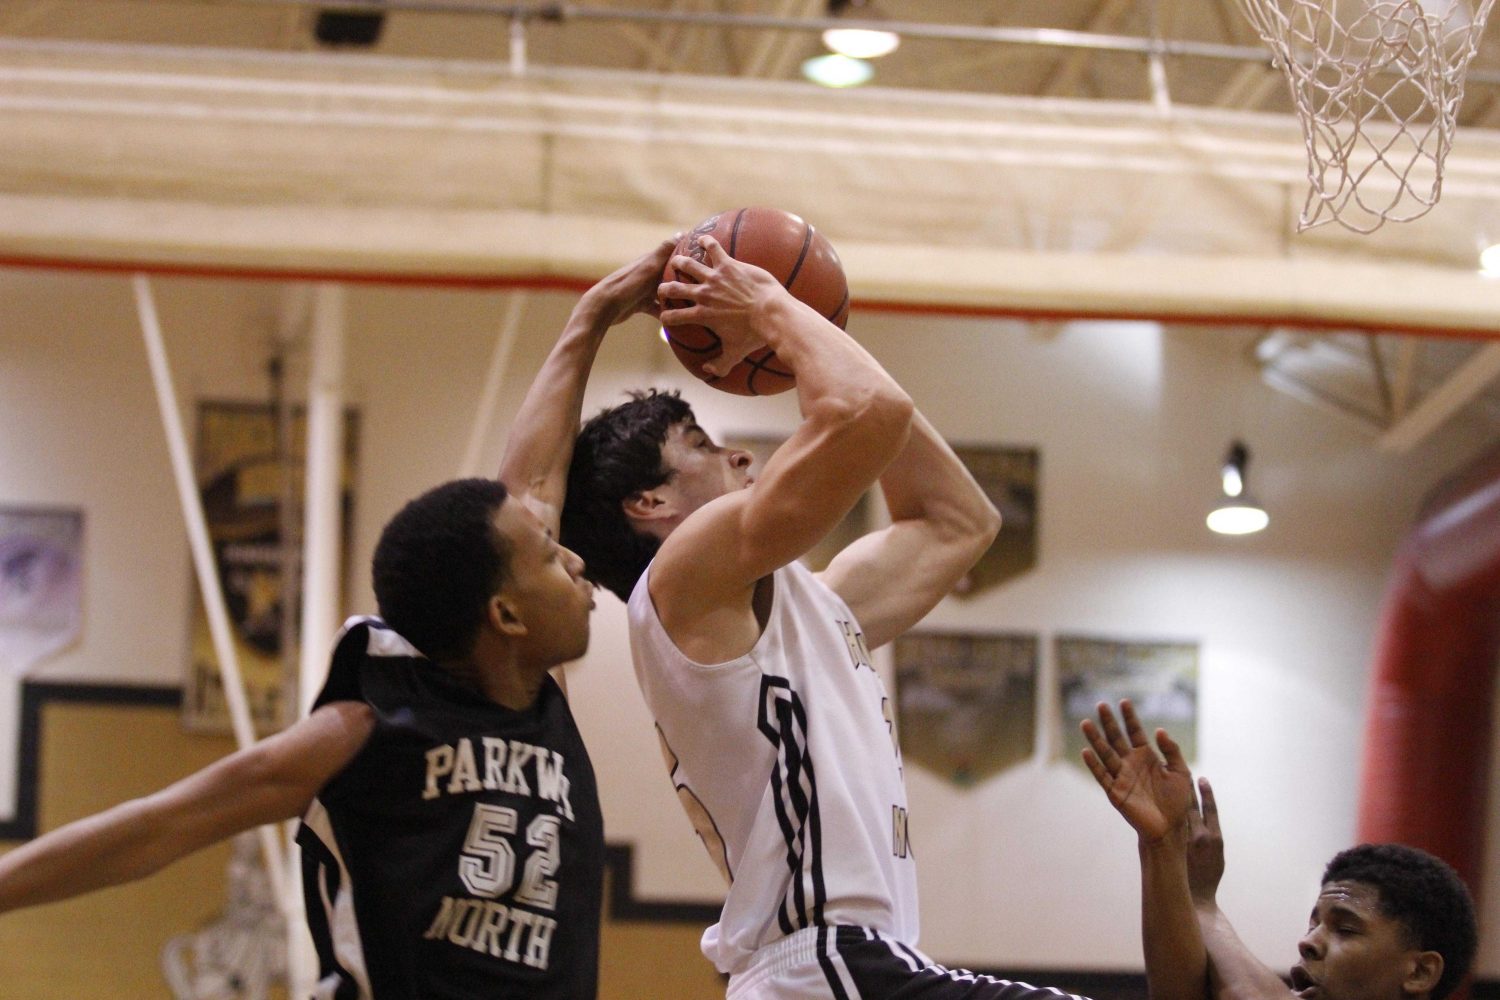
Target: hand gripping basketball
721, 294
779, 243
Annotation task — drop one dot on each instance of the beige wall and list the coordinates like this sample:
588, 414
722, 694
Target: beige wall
109, 943
1028, 869
94, 756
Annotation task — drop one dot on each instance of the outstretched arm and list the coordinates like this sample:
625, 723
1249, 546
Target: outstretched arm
1236, 974
535, 465
941, 523
855, 420
273, 780
1154, 795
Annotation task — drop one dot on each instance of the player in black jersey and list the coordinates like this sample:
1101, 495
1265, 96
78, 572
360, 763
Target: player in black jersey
1391, 922
453, 845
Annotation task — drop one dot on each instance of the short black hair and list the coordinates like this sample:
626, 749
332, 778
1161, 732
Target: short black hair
617, 455
1424, 894
438, 562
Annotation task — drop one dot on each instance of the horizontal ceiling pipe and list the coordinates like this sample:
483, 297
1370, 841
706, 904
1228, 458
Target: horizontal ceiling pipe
1056, 38
563, 12
482, 282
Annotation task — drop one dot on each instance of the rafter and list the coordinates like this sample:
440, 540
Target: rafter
771, 51
1482, 368
1248, 87
1230, 19
1070, 69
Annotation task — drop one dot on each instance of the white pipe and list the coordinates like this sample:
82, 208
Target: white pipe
1161, 97
322, 528
203, 559
499, 361
1048, 37
517, 47
322, 570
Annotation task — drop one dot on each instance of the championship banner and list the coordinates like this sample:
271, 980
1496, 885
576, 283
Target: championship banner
1010, 478
965, 702
1160, 679
41, 584
252, 495
41, 612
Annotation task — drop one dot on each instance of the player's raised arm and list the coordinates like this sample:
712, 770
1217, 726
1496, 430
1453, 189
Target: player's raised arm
1154, 795
540, 445
1235, 973
271, 781
855, 419
941, 523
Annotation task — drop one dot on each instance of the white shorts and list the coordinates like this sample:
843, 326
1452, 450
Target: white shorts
855, 963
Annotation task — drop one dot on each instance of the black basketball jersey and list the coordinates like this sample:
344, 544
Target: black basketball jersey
460, 854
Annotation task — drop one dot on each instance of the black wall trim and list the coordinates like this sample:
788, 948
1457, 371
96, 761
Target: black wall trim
619, 860
35, 697
1132, 985
1084, 983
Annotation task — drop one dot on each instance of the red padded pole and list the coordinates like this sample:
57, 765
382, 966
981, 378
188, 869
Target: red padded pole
1427, 737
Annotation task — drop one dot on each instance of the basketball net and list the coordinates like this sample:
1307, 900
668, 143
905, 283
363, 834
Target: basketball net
1377, 85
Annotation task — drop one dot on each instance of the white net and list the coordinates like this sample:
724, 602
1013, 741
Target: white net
1377, 84
242, 954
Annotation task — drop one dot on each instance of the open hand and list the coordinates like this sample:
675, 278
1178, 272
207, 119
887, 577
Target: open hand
1153, 794
1205, 849
630, 289
722, 294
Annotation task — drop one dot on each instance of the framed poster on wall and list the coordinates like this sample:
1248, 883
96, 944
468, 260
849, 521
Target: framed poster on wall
41, 583
41, 614
1159, 677
252, 489
966, 702
1010, 478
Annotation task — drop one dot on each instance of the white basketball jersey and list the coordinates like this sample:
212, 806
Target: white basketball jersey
786, 761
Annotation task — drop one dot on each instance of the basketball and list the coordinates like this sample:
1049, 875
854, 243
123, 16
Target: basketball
797, 255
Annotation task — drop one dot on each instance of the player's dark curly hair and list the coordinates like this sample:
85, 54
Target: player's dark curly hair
1424, 894
437, 564
618, 454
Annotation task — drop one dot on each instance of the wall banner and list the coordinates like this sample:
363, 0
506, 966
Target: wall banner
252, 496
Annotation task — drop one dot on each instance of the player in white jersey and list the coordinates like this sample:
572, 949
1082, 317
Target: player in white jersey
777, 732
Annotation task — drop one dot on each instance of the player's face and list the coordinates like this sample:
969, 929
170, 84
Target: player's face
701, 470
1351, 950
547, 587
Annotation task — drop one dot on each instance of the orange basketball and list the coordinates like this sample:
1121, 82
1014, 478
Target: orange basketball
797, 255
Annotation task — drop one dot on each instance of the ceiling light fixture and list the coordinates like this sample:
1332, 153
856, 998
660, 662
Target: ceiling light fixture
834, 70
861, 43
1489, 261
1236, 513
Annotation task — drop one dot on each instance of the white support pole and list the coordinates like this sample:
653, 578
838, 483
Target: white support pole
517, 47
203, 559
323, 527
321, 566
484, 414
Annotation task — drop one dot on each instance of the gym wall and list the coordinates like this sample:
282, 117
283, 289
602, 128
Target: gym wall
1027, 870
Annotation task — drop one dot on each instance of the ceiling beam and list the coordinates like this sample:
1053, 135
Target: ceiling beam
772, 52
1481, 369
1064, 79
1231, 21
1248, 87
1408, 358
